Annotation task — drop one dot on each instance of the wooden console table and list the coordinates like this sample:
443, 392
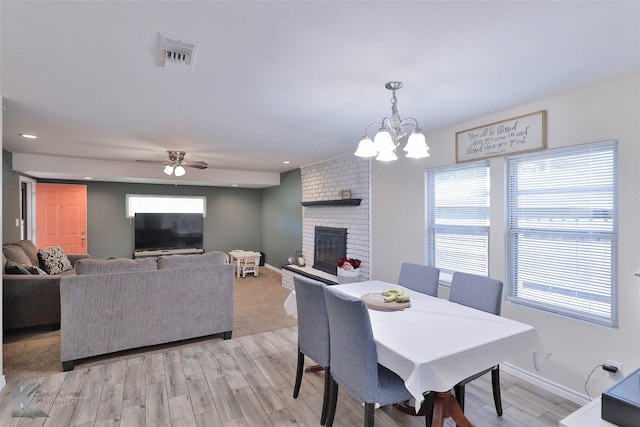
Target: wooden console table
148, 253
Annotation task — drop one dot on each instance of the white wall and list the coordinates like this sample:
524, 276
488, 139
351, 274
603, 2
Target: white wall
606, 111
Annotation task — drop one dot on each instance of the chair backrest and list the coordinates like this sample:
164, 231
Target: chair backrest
476, 291
421, 278
251, 261
354, 359
313, 322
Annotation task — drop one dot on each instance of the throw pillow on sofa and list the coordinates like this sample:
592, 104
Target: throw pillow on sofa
53, 260
15, 268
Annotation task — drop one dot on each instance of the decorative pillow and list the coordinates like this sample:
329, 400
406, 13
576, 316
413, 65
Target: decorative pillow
115, 265
36, 270
53, 260
16, 268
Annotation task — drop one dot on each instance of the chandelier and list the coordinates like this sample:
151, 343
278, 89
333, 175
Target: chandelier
390, 131
176, 163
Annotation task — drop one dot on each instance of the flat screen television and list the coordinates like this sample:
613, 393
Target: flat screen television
161, 231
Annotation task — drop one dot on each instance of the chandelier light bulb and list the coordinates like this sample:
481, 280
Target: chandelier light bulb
180, 170
168, 169
383, 142
366, 148
387, 156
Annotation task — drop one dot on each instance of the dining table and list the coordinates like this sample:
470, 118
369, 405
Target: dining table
433, 344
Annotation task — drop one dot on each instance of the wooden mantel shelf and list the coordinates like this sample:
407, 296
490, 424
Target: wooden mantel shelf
339, 202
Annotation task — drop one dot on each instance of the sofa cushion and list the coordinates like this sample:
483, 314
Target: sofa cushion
30, 249
53, 260
117, 265
15, 253
207, 258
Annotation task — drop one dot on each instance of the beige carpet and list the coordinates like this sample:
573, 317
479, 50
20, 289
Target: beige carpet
258, 307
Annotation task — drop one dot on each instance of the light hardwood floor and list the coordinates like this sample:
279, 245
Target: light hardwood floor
245, 381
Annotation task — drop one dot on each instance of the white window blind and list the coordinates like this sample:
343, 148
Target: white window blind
563, 231
458, 219
149, 203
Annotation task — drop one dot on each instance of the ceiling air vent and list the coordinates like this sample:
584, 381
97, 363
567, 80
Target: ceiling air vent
177, 55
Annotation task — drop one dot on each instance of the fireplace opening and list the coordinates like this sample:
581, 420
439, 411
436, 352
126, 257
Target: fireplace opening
329, 245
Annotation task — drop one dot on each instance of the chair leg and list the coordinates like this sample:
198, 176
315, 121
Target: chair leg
428, 404
369, 414
495, 384
299, 370
333, 402
327, 395
458, 389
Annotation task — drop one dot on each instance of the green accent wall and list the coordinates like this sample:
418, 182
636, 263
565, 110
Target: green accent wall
267, 220
282, 219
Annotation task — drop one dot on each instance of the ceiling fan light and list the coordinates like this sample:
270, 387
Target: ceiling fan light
365, 148
180, 170
168, 169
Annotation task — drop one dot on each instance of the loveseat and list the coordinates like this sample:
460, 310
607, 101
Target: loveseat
121, 304
30, 295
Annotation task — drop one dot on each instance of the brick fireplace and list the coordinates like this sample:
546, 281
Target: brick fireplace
325, 181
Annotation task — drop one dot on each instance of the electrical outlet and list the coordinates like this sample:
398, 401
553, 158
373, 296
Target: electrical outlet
615, 375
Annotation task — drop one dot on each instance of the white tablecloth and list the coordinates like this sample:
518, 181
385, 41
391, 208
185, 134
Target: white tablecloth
434, 344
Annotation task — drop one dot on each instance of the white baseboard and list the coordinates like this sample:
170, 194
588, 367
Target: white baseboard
545, 384
271, 267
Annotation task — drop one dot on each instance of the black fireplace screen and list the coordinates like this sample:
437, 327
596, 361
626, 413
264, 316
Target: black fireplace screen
329, 245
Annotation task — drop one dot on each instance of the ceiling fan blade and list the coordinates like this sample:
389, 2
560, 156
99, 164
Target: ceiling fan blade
197, 165
160, 162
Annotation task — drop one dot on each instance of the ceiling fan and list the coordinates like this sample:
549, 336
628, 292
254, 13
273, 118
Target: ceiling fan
175, 164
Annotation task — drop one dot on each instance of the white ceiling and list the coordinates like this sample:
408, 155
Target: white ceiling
279, 80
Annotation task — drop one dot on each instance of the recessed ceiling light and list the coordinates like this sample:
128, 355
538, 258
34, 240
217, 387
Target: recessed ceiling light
88, 177
286, 162
26, 135
234, 185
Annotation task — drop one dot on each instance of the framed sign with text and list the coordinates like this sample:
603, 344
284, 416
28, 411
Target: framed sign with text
515, 135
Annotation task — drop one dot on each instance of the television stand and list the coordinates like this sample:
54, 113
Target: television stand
157, 252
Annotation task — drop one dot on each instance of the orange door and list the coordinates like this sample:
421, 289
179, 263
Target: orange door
61, 217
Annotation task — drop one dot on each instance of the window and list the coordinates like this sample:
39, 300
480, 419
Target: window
458, 219
146, 203
562, 229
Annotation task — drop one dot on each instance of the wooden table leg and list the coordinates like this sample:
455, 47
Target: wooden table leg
445, 406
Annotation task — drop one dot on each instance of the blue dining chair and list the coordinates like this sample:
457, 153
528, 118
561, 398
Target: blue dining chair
420, 278
354, 360
482, 293
313, 333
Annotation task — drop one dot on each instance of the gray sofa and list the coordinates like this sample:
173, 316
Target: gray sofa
30, 299
120, 304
